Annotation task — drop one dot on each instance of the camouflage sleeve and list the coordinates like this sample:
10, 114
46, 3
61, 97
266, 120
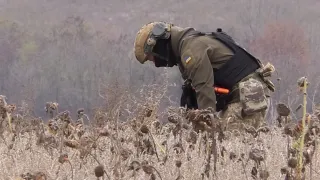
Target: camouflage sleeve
198, 68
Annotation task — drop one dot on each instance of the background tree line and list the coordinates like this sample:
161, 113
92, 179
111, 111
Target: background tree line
78, 54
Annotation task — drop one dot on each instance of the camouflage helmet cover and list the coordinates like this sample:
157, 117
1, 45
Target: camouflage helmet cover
142, 37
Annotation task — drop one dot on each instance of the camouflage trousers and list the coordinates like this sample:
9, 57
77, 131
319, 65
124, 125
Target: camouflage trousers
234, 119
252, 106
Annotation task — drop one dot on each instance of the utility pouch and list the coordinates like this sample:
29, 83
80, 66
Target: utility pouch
252, 96
265, 72
188, 96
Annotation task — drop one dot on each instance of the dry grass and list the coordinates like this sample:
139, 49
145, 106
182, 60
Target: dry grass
144, 148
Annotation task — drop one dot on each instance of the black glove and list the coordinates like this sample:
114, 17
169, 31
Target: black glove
188, 96
222, 101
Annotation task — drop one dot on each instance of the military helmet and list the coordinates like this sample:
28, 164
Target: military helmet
147, 37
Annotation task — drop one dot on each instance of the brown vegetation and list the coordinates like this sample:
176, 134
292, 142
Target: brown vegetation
67, 52
187, 147
108, 117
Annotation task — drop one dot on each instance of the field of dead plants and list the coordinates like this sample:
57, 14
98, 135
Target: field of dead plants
188, 146
76, 55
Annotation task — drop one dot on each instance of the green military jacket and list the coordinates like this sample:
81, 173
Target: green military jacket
200, 56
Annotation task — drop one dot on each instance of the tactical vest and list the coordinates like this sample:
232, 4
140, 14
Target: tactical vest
236, 68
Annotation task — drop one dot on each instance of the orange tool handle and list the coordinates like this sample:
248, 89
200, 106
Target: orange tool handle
221, 90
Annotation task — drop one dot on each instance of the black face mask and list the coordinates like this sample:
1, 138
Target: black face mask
164, 55
160, 62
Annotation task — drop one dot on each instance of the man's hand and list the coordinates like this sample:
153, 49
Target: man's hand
201, 119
